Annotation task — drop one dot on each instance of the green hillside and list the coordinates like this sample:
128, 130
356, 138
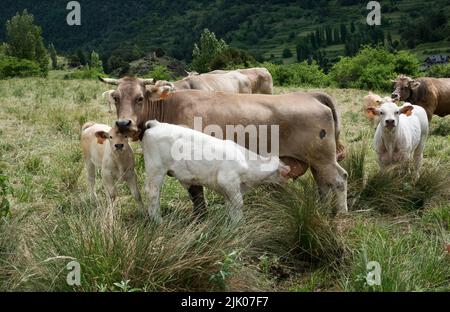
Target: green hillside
264, 28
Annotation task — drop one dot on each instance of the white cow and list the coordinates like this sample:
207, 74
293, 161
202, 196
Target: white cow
107, 149
401, 133
195, 158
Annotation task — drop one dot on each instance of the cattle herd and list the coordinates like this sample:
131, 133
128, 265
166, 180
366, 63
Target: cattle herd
161, 115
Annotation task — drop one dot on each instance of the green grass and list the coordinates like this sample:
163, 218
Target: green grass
288, 241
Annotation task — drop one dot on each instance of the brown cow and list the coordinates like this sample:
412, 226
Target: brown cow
308, 124
433, 94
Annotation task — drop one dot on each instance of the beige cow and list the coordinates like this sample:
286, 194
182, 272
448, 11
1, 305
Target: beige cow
308, 124
107, 149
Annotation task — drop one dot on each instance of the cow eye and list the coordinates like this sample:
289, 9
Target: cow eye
140, 99
396, 113
110, 137
381, 113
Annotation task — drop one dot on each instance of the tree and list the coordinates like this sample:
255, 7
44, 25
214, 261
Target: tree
204, 52
81, 57
287, 53
25, 41
53, 56
95, 62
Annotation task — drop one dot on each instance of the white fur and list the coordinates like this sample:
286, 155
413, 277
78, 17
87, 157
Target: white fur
207, 166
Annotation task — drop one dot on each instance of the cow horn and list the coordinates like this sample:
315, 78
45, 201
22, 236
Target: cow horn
150, 81
110, 81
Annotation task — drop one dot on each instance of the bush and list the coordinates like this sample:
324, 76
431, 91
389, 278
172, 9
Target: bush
85, 73
373, 68
297, 74
160, 72
439, 71
14, 67
232, 58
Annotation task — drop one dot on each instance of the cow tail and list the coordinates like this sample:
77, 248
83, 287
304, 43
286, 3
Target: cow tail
87, 125
328, 101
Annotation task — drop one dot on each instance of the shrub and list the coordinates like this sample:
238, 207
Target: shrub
439, 71
297, 74
85, 73
160, 72
14, 67
372, 68
231, 58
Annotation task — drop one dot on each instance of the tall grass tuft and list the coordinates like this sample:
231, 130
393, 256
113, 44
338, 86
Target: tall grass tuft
295, 224
412, 261
397, 189
179, 254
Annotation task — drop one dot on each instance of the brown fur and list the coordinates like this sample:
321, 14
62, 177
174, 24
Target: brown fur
432, 94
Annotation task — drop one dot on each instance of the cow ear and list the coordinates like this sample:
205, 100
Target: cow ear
414, 84
407, 110
371, 112
101, 136
164, 91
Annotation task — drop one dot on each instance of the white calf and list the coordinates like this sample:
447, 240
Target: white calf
114, 158
401, 133
195, 158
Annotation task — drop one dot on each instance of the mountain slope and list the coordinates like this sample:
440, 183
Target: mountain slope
262, 27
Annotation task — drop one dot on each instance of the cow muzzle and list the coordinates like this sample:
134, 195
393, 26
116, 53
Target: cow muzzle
390, 124
123, 124
395, 96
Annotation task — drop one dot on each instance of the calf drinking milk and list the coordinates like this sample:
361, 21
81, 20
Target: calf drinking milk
195, 158
401, 133
104, 147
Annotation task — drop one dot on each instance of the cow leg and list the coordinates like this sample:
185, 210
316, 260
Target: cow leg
418, 156
90, 172
132, 184
110, 186
198, 199
332, 177
153, 187
235, 203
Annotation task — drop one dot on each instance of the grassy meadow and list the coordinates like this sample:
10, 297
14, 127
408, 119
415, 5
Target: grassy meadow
288, 240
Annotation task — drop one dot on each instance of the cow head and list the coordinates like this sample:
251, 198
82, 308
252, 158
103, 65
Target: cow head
403, 88
389, 114
118, 141
130, 99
